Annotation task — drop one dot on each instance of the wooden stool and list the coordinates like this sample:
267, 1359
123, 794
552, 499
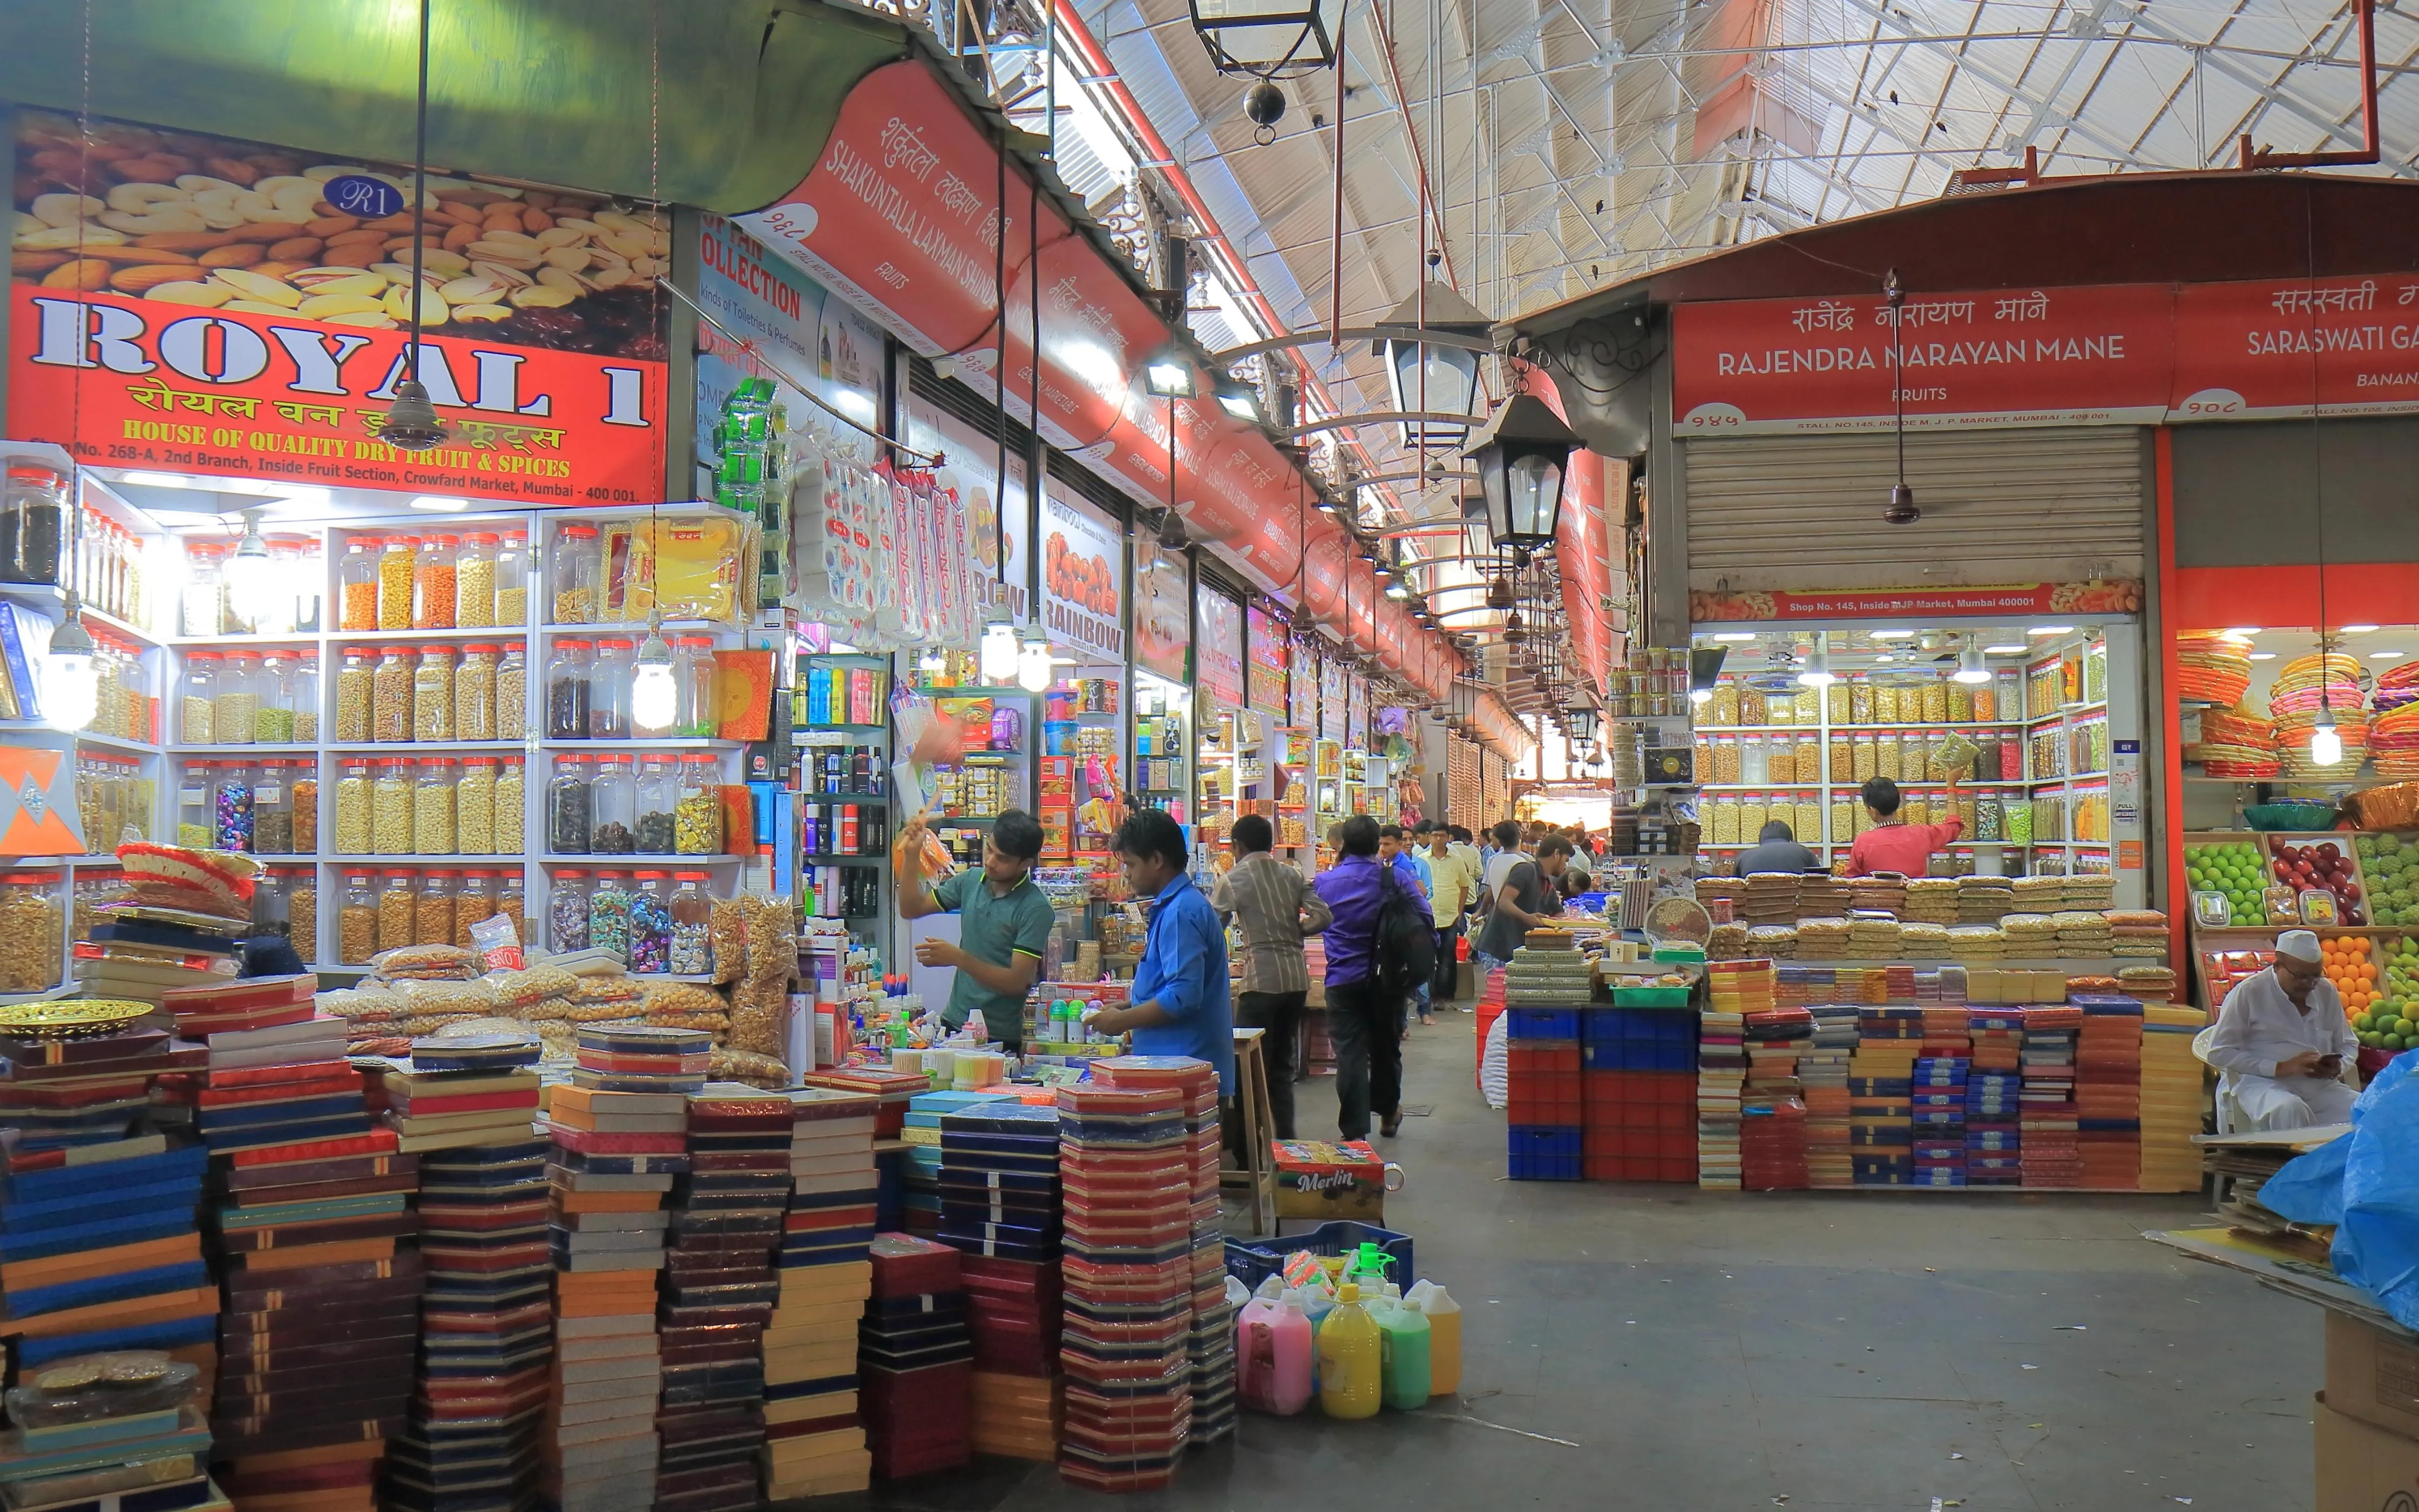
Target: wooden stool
1258, 1175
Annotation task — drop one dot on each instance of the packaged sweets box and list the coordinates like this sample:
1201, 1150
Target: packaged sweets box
1320, 1180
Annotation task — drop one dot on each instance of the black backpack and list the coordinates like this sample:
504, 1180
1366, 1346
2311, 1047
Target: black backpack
1403, 943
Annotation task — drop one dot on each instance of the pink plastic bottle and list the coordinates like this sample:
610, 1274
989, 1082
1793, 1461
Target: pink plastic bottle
1273, 1349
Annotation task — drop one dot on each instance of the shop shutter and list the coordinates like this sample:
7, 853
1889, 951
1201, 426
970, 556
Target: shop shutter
1999, 506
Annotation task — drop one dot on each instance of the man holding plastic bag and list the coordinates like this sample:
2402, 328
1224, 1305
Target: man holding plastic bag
1003, 922
2284, 1043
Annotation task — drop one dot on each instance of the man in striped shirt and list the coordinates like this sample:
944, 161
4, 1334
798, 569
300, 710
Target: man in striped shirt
1274, 909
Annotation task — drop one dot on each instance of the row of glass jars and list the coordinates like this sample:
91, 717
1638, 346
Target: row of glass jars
125, 706
258, 808
385, 911
1740, 820
620, 805
1905, 700
429, 806
295, 564
1851, 756
589, 683
249, 698
656, 921
112, 802
389, 694
286, 900
434, 582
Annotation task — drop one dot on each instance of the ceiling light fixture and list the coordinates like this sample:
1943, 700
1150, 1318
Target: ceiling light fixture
1735, 635
2005, 651
2038, 630
411, 423
1816, 673
2357, 629
250, 575
1970, 668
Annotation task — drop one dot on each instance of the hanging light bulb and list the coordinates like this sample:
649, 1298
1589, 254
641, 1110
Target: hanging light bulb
932, 660
2326, 747
1817, 671
1969, 664
70, 689
251, 577
998, 655
653, 696
1033, 672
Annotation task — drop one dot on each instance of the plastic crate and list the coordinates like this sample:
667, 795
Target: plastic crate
1651, 997
1544, 1022
1253, 1261
1546, 1154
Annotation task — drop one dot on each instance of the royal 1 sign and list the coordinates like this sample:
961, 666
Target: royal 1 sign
203, 306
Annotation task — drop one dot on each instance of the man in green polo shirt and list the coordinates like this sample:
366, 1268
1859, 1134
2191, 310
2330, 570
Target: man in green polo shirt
1003, 923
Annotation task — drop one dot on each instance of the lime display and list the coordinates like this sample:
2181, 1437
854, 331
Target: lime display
2234, 867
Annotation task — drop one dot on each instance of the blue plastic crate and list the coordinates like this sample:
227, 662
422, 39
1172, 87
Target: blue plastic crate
1543, 1022
1673, 1058
1254, 1262
1544, 1153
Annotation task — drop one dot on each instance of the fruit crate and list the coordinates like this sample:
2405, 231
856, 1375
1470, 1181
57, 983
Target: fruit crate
2243, 864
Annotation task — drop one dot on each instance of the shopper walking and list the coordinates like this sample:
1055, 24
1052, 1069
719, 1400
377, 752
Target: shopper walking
1178, 1004
1396, 850
1003, 923
1456, 887
1365, 1016
1525, 895
1274, 908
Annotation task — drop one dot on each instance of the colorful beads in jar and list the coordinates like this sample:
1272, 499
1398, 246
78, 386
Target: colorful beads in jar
566, 912
651, 924
231, 807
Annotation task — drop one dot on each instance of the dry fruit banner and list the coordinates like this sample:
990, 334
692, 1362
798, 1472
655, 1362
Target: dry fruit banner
1219, 636
200, 307
1265, 672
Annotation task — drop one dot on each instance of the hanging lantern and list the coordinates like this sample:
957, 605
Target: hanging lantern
1270, 39
1429, 378
1523, 456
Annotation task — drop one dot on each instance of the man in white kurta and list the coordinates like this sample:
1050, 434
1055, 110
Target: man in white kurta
2284, 1043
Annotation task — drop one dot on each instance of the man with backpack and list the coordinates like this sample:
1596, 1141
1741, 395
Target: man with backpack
1380, 947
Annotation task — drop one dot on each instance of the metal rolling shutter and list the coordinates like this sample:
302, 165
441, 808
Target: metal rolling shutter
1999, 506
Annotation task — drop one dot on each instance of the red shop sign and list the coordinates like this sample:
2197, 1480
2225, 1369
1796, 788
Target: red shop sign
2267, 350
1095, 333
2059, 357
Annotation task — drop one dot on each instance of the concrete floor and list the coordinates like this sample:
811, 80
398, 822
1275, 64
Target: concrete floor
1718, 1350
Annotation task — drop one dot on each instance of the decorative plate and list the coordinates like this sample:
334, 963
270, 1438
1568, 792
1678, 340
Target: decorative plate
70, 1018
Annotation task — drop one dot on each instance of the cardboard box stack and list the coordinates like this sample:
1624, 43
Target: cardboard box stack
1735, 989
914, 1360
125, 1430
487, 1327
1881, 1094
1001, 1206
815, 1433
1937, 1095
1828, 994
1993, 1093
2172, 1098
921, 1130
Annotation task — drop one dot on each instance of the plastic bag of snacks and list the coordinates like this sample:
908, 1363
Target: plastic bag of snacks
499, 944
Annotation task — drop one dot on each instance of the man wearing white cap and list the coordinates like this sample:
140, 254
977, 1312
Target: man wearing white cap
2284, 1043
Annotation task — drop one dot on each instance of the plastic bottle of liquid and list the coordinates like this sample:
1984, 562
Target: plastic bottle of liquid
1403, 1364
1349, 1354
1444, 1336
1273, 1350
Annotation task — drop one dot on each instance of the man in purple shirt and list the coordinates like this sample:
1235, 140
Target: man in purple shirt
1363, 1019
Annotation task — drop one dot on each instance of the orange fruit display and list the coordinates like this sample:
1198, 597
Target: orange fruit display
2346, 964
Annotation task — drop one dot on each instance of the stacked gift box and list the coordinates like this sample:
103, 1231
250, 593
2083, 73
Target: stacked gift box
2052, 1152
102, 1432
814, 1434
1000, 1210
1881, 1094
1937, 1092
1772, 1118
1823, 1074
1129, 1285
1994, 1097
1735, 989
719, 1289
605, 1235
893, 1090
921, 1130
2172, 1098
914, 1360
486, 1326
2108, 1089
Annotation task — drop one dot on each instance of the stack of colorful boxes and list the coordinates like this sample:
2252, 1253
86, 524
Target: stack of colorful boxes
2052, 1154
1772, 1117
2172, 1098
115, 1431
1881, 1094
1994, 1091
486, 1319
316, 1202
815, 1438
606, 1236
892, 1089
1000, 1210
1735, 990
914, 1360
1822, 1070
1937, 1092
719, 1287
2108, 1089
1544, 1101
1638, 1088
921, 1130
1127, 1168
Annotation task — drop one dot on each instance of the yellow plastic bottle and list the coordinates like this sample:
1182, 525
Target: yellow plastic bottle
1444, 1336
1351, 1382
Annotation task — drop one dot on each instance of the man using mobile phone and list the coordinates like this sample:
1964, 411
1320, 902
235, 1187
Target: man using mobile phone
2284, 1043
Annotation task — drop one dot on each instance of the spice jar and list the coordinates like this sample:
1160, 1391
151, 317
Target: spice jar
568, 806
567, 911
513, 578
391, 803
658, 794
391, 695
355, 676
399, 899
303, 777
272, 810
474, 693
303, 700
432, 912
695, 715
1779, 762
196, 700
196, 829
651, 923
1985, 698
303, 913
273, 722
33, 516
1961, 702
512, 902
608, 914
697, 814
613, 808
1723, 707
474, 581
432, 584
509, 798
1860, 701
576, 573
395, 569
356, 584
474, 808
473, 901
33, 930
692, 910
237, 705
1934, 697
357, 921
355, 827
1886, 703
512, 694
568, 690
609, 688
432, 695
1887, 760
432, 808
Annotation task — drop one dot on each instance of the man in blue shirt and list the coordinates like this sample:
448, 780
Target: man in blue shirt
1180, 1003
1396, 850
1363, 1019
